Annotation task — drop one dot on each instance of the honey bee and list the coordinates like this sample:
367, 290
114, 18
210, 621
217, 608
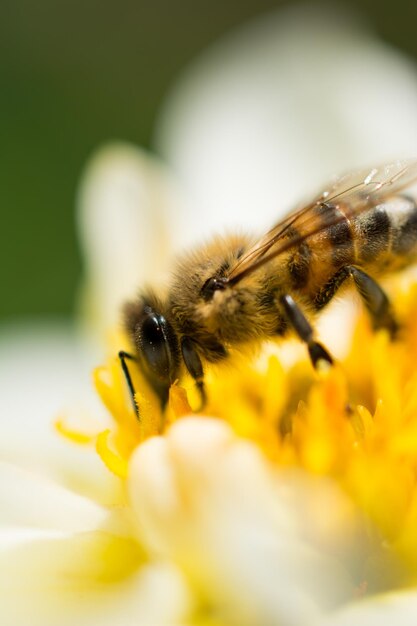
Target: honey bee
236, 291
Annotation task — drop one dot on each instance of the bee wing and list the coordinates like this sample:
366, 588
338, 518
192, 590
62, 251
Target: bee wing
358, 191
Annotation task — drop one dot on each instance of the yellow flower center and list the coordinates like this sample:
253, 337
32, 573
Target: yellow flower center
356, 423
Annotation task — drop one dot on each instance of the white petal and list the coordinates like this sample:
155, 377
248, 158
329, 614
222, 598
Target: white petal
124, 199
93, 579
45, 373
275, 108
394, 608
209, 502
28, 500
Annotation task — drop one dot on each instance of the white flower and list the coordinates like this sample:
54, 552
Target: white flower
208, 530
209, 502
396, 608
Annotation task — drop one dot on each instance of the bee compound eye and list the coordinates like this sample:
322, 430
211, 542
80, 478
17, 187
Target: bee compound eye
159, 347
210, 286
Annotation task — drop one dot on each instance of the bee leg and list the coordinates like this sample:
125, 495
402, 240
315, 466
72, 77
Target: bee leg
373, 296
305, 331
124, 356
195, 367
375, 300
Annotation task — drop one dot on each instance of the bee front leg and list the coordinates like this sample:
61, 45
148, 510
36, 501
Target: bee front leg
195, 367
304, 330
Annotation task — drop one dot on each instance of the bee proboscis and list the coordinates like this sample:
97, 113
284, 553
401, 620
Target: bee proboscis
236, 290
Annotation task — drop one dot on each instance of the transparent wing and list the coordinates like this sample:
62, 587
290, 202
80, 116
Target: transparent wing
356, 191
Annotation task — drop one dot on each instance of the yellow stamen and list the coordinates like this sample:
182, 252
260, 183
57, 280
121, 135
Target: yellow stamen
116, 463
178, 401
71, 434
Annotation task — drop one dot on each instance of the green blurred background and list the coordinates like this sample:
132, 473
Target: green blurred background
75, 74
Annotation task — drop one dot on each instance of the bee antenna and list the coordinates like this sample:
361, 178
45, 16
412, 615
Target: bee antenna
124, 356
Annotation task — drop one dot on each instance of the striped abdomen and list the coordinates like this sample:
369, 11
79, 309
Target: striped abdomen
380, 240
388, 233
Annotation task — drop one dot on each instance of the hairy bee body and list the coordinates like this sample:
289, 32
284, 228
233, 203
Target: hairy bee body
380, 240
237, 291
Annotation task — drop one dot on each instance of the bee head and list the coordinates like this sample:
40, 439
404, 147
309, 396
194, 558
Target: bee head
156, 343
